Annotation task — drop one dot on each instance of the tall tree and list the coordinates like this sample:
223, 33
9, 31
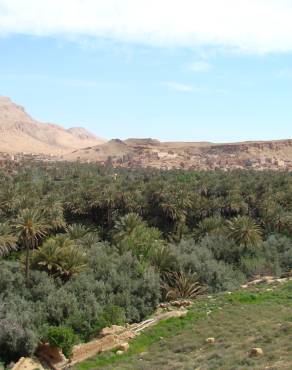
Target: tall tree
31, 227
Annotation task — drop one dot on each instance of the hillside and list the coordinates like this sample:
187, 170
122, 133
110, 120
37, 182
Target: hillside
187, 155
259, 317
19, 132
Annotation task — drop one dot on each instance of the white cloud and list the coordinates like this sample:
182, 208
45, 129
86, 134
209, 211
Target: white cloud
200, 66
255, 26
177, 86
187, 88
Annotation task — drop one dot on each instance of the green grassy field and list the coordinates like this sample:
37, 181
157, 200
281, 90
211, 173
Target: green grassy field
258, 317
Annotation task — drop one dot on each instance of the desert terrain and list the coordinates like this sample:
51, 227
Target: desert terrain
22, 135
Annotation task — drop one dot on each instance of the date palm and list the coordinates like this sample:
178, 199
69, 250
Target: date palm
59, 257
244, 231
126, 225
179, 285
175, 206
77, 231
73, 261
208, 226
163, 259
31, 227
55, 216
7, 240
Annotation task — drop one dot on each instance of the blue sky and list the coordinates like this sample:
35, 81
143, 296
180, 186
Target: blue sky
144, 82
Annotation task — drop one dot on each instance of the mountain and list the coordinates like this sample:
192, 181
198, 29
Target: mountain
19, 132
259, 155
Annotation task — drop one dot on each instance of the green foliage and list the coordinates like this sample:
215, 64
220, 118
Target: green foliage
77, 231
59, 257
123, 232
164, 259
199, 259
244, 231
209, 226
61, 337
7, 240
254, 266
30, 228
179, 285
113, 315
125, 226
131, 234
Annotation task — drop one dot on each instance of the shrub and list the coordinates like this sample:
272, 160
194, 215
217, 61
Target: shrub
18, 328
218, 275
125, 281
61, 337
113, 315
252, 266
222, 249
278, 249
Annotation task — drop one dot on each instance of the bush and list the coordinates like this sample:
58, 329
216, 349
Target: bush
125, 282
114, 315
61, 337
18, 332
223, 249
252, 266
278, 250
218, 275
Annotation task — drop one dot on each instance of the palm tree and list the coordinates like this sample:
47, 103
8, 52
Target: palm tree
55, 217
47, 257
126, 225
282, 222
59, 257
73, 261
77, 231
179, 285
163, 259
244, 231
30, 227
88, 240
7, 240
108, 202
132, 201
175, 206
208, 226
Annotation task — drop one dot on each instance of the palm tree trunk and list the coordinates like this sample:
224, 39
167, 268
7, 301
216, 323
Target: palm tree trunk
27, 263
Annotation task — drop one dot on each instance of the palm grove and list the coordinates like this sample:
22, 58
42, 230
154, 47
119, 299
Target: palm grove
83, 247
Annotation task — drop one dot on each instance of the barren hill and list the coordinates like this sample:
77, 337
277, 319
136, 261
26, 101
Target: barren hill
173, 155
19, 132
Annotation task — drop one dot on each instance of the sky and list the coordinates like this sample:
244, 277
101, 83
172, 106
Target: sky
192, 70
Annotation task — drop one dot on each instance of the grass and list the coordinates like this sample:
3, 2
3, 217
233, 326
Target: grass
259, 317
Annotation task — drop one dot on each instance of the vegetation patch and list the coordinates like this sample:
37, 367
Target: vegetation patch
84, 246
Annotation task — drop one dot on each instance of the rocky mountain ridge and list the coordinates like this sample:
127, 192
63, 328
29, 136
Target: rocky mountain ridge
202, 156
19, 132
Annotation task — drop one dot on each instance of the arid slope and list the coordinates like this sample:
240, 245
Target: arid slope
19, 132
